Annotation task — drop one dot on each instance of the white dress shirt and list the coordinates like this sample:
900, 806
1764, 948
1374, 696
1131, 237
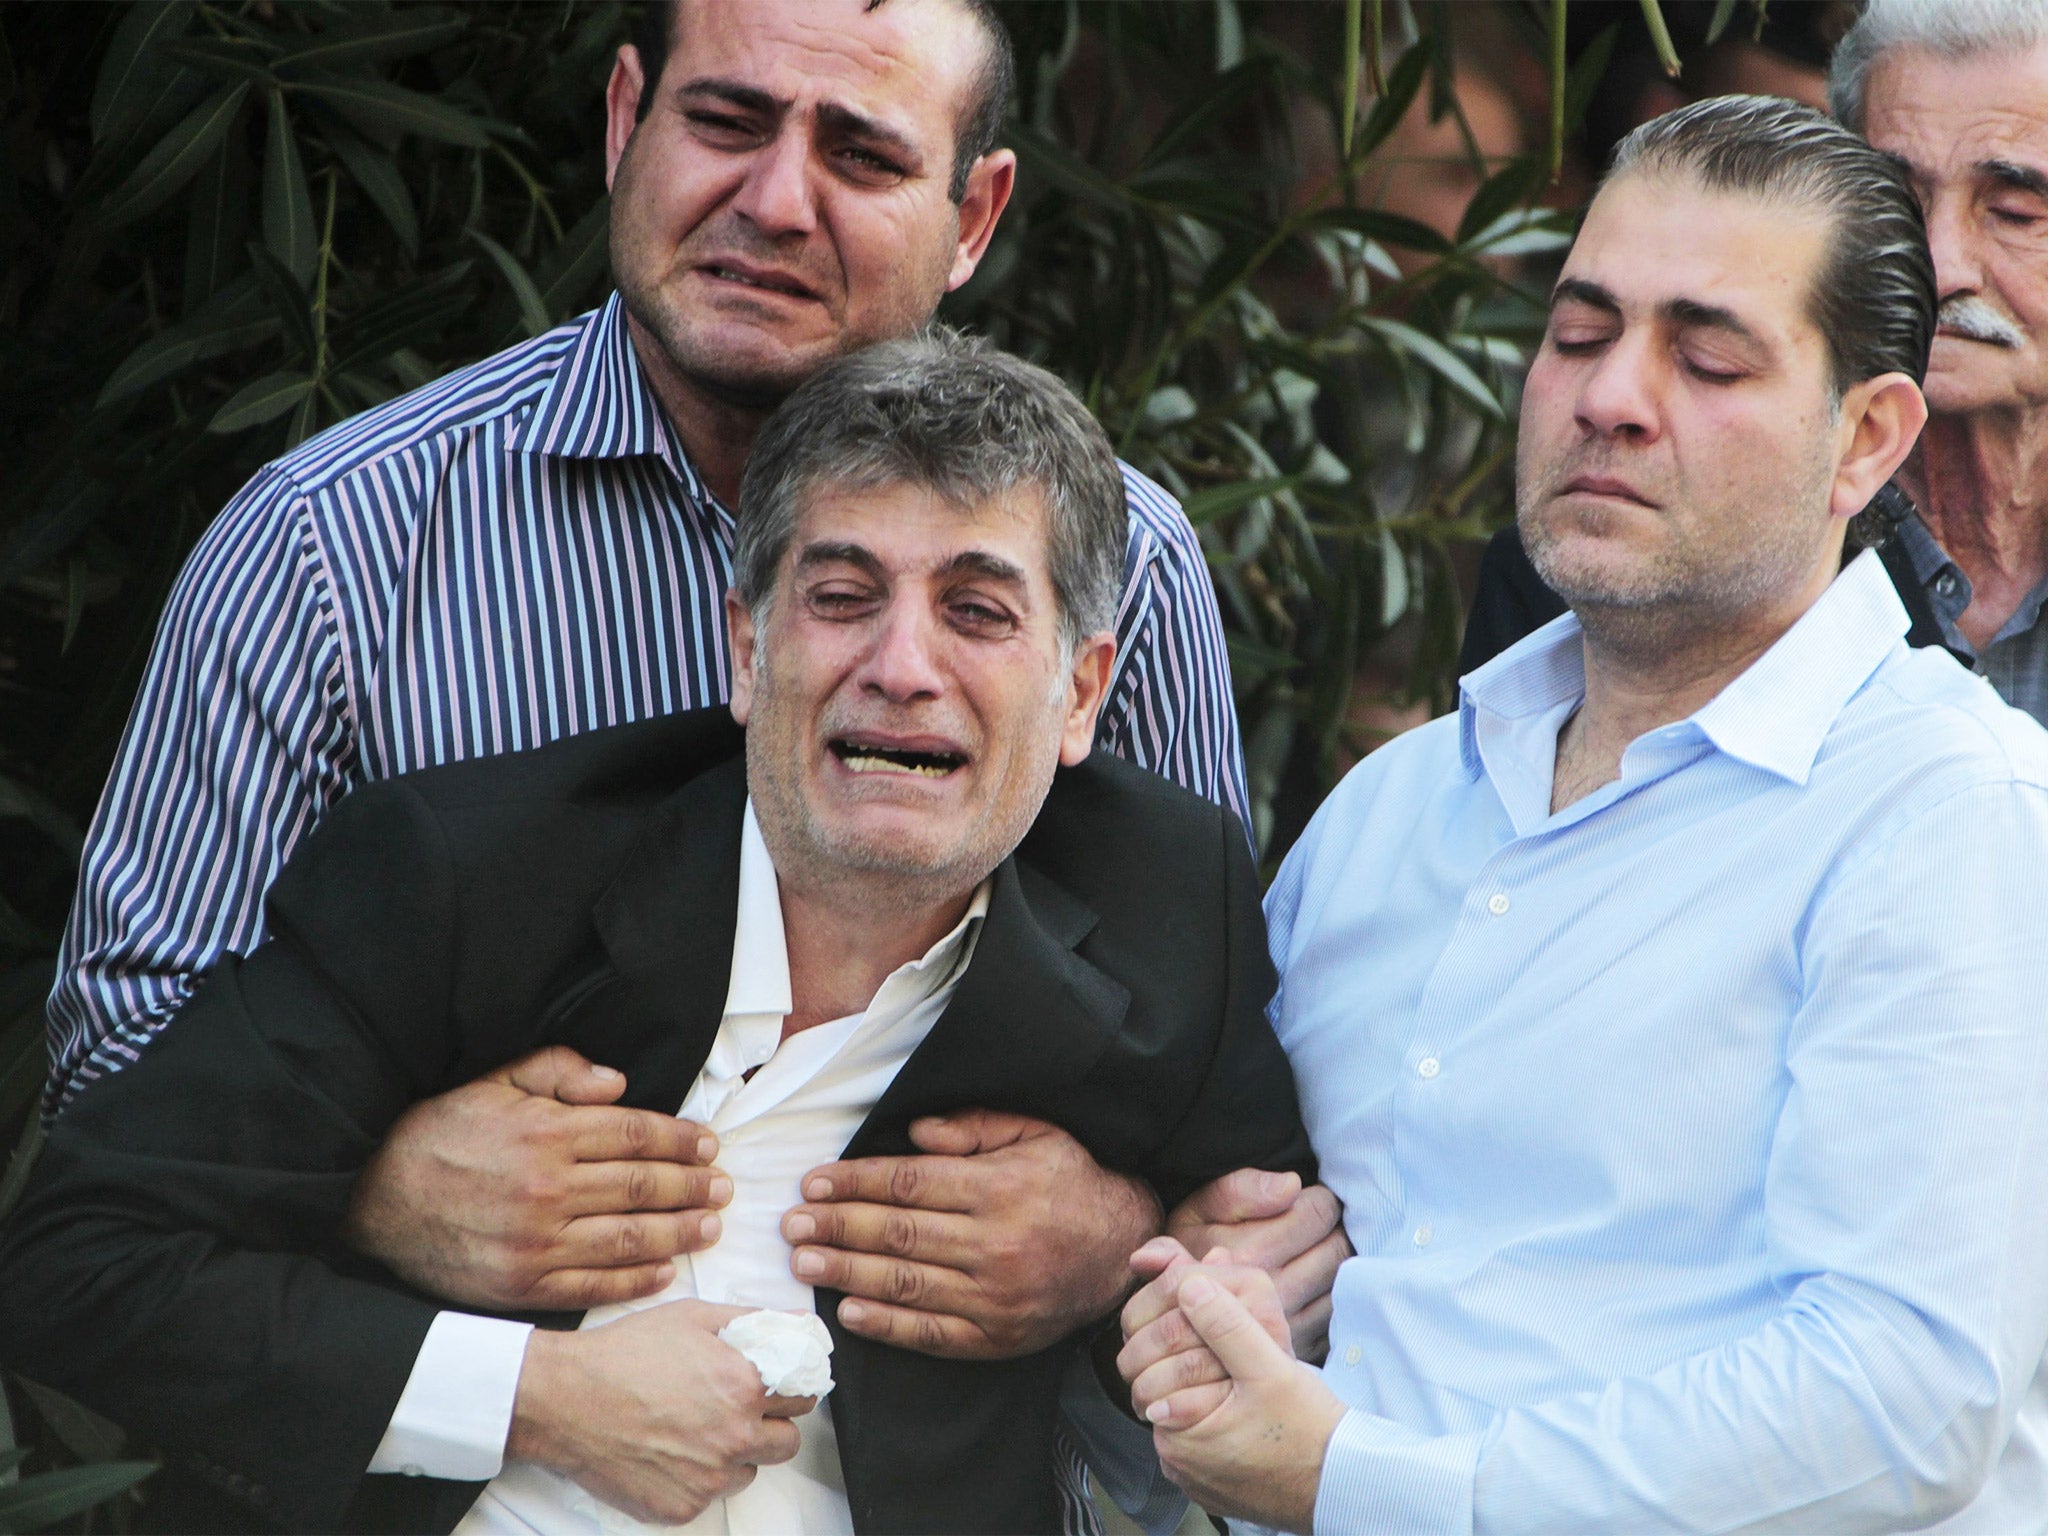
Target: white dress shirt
809, 1096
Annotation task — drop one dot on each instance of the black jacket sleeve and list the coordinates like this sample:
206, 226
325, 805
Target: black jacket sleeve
1245, 1115
175, 1262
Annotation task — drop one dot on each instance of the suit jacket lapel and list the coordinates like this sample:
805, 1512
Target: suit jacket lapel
1029, 1017
666, 924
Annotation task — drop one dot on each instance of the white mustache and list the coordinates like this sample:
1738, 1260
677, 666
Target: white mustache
1974, 319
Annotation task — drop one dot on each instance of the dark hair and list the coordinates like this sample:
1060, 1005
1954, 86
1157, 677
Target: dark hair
950, 413
988, 101
1874, 297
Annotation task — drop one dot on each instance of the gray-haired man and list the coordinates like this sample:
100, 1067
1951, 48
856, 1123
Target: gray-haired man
881, 905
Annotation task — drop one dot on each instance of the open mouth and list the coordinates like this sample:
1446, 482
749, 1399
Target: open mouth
868, 757
767, 284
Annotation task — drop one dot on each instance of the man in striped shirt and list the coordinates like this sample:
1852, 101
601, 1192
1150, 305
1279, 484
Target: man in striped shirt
539, 545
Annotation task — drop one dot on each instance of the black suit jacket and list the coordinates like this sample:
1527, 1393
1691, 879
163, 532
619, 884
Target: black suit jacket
1512, 601
176, 1262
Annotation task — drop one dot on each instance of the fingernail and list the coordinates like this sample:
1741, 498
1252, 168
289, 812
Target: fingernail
720, 1190
1275, 1182
818, 1189
1157, 1412
809, 1264
707, 1148
709, 1228
604, 1074
852, 1313
1196, 1289
663, 1274
799, 1228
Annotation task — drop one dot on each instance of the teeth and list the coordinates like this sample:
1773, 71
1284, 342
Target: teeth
864, 764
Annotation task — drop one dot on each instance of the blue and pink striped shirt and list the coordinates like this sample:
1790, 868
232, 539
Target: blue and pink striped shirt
513, 554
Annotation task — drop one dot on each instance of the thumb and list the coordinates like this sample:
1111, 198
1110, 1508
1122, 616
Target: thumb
968, 1131
1158, 1256
1249, 1194
1232, 1333
557, 1072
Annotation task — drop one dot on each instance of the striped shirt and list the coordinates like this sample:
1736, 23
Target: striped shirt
510, 555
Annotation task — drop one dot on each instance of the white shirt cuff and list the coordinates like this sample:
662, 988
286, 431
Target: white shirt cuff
1383, 1476
456, 1410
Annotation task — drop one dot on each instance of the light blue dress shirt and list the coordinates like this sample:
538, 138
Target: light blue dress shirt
1693, 1140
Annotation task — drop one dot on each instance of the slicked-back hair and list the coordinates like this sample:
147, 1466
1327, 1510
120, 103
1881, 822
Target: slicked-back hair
988, 99
1874, 297
1949, 29
947, 413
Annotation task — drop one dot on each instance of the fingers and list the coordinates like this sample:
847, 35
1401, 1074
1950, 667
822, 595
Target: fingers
928, 1183
1164, 1337
1176, 1373
618, 1187
1158, 1256
609, 1241
896, 1282
1273, 1241
607, 1134
788, 1407
1310, 1329
928, 1333
1158, 1297
775, 1441
574, 1290
975, 1130
1310, 1277
1184, 1410
1249, 1194
558, 1072
1231, 1331
926, 1236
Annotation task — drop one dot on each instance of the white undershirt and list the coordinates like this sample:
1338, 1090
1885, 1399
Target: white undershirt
811, 1094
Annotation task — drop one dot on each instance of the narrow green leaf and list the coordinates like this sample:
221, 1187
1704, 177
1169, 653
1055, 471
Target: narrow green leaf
242, 320
1453, 369
1221, 500
288, 301
1660, 37
377, 175
132, 65
223, 58
265, 400
1724, 12
214, 235
43, 1500
394, 108
1387, 228
12, 1458
1587, 74
1513, 183
1393, 580
373, 38
414, 313
1347, 121
532, 311
573, 267
85, 1434
1393, 103
287, 204
175, 160
1217, 98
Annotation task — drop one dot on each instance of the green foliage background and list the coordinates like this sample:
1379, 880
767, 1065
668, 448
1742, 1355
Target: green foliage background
227, 224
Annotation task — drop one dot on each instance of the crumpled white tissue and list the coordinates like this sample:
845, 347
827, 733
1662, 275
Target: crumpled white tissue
791, 1350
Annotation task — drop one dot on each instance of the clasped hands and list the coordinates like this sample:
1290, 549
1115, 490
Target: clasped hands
532, 1189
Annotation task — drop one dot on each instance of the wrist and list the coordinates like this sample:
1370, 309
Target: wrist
543, 1412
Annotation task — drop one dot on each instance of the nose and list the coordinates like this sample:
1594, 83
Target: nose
777, 195
902, 664
1952, 236
1617, 392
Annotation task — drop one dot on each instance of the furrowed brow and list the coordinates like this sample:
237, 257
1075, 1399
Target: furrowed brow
2021, 178
869, 130
827, 553
978, 562
748, 98
1690, 314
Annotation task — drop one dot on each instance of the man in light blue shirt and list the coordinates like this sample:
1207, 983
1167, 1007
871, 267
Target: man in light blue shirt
1670, 1020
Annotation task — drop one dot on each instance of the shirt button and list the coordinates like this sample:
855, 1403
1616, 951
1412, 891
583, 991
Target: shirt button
1423, 1235
1945, 583
1498, 903
412, 1470
1353, 1355
1429, 1066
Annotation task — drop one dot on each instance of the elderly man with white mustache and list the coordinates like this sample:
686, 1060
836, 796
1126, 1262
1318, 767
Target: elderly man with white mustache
1958, 90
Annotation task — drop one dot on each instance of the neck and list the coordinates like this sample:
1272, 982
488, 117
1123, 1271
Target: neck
844, 941
1978, 480
1647, 668
717, 434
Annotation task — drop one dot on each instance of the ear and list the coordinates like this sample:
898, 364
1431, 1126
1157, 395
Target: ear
1087, 686
990, 181
1881, 420
739, 628
621, 108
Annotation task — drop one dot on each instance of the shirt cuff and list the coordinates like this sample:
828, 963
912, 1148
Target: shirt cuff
453, 1417
1383, 1476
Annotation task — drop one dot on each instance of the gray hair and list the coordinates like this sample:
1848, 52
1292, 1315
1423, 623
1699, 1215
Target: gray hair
949, 413
1950, 29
